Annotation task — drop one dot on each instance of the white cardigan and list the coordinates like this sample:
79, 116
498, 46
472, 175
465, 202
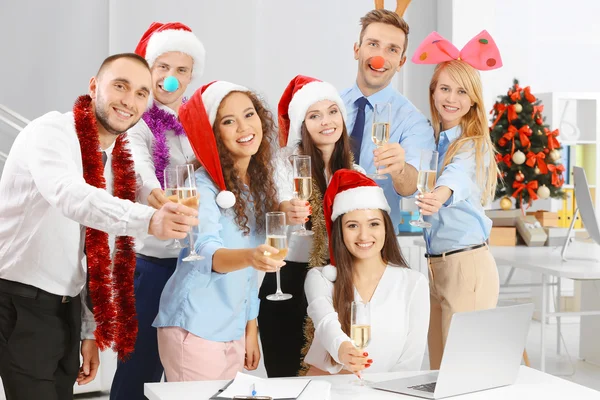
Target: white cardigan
399, 320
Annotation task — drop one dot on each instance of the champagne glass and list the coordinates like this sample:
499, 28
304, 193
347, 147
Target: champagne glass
426, 180
188, 196
360, 330
277, 238
170, 175
302, 185
380, 135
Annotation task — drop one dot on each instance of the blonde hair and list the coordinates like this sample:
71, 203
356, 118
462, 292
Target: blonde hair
475, 131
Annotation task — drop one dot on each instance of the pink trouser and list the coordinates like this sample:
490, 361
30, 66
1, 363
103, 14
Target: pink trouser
187, 357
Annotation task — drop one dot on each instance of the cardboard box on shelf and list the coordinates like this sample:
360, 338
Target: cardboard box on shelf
546, 218
503, 236
503, 217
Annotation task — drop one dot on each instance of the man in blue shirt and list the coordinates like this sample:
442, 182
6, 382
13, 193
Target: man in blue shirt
385, 34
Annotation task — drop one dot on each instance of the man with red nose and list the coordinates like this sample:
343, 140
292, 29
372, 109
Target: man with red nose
381, 52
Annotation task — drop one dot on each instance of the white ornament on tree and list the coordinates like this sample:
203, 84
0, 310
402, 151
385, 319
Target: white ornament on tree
554, 155
543, 192
518, 107
519, 157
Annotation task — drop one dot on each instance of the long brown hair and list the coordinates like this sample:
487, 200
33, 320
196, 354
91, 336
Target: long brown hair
474, 125
340, 158
260, 171
343, 287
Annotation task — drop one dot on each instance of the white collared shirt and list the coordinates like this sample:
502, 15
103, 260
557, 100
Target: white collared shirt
141, 141
44, 201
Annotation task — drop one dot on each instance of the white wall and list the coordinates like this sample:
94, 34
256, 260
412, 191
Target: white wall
262, 44
52, 47
49, 51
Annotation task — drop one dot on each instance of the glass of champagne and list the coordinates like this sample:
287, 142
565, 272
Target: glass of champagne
188, 196
170, 175
302, 185
276, 237
360, 329
382, 116
426, 180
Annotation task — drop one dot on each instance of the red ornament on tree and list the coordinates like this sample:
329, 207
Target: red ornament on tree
519, 177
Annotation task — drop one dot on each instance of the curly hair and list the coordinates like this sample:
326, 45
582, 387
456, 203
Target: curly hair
263, 191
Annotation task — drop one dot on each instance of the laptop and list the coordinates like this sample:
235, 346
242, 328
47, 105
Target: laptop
483, 351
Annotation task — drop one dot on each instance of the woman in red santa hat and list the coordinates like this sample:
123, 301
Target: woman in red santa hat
366, 266
207, 315
311, 122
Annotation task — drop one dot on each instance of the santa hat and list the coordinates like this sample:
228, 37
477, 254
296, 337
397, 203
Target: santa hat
350, 190
301, 93
197, 117
172, 36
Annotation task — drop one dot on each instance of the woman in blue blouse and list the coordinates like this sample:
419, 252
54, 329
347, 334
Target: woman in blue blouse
208, 309
462, 271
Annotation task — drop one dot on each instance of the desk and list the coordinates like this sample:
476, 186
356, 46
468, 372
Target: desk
531, 384
582, 264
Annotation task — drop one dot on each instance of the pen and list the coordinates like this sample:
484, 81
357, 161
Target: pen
253, 390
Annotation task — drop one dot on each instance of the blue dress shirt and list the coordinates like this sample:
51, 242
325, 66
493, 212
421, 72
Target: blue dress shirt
461, 222
409, 128
209, 304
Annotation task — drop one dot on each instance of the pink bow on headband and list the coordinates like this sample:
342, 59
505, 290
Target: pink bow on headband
480, 53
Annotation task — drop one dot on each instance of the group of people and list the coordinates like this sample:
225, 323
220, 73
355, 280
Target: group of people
78, 187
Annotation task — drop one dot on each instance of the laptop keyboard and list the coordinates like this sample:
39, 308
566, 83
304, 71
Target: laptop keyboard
428, 387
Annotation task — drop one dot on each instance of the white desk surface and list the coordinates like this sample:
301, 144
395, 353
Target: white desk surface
531, 384
583, 259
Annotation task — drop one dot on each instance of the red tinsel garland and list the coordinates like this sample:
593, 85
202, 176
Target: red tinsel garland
116, 325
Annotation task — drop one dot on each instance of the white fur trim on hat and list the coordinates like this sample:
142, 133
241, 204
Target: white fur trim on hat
177, 40
359, 198
225, 199
214, 95
305, 97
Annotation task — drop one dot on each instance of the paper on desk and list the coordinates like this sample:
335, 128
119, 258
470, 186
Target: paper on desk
276, 388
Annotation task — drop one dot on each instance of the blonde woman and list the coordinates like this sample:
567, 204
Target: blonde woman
462, 271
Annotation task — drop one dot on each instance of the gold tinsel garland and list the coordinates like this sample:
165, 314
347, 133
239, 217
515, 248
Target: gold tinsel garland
318, 256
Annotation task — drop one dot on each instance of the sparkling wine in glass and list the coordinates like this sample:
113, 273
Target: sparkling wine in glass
188, 196
426, 180
302, 185
380, 135
170, 176
360, 329
276, 237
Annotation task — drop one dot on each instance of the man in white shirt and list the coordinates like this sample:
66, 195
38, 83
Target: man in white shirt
51, 189
176, 58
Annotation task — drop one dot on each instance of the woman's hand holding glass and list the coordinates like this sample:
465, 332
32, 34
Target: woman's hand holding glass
296, 211
263, 258
353, 359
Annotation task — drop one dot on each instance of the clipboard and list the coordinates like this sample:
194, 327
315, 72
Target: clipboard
217, 396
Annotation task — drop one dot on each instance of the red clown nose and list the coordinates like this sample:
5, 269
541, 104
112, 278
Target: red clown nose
377, 62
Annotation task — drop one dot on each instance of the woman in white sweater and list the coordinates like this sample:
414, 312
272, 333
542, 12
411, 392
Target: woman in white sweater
366, 265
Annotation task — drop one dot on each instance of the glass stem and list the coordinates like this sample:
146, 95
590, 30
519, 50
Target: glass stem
192, 243
277, 276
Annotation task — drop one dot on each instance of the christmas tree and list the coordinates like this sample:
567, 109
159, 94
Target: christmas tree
528, 151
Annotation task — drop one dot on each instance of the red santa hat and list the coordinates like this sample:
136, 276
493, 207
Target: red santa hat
301, 93
197, 117
350, 190
171, 36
